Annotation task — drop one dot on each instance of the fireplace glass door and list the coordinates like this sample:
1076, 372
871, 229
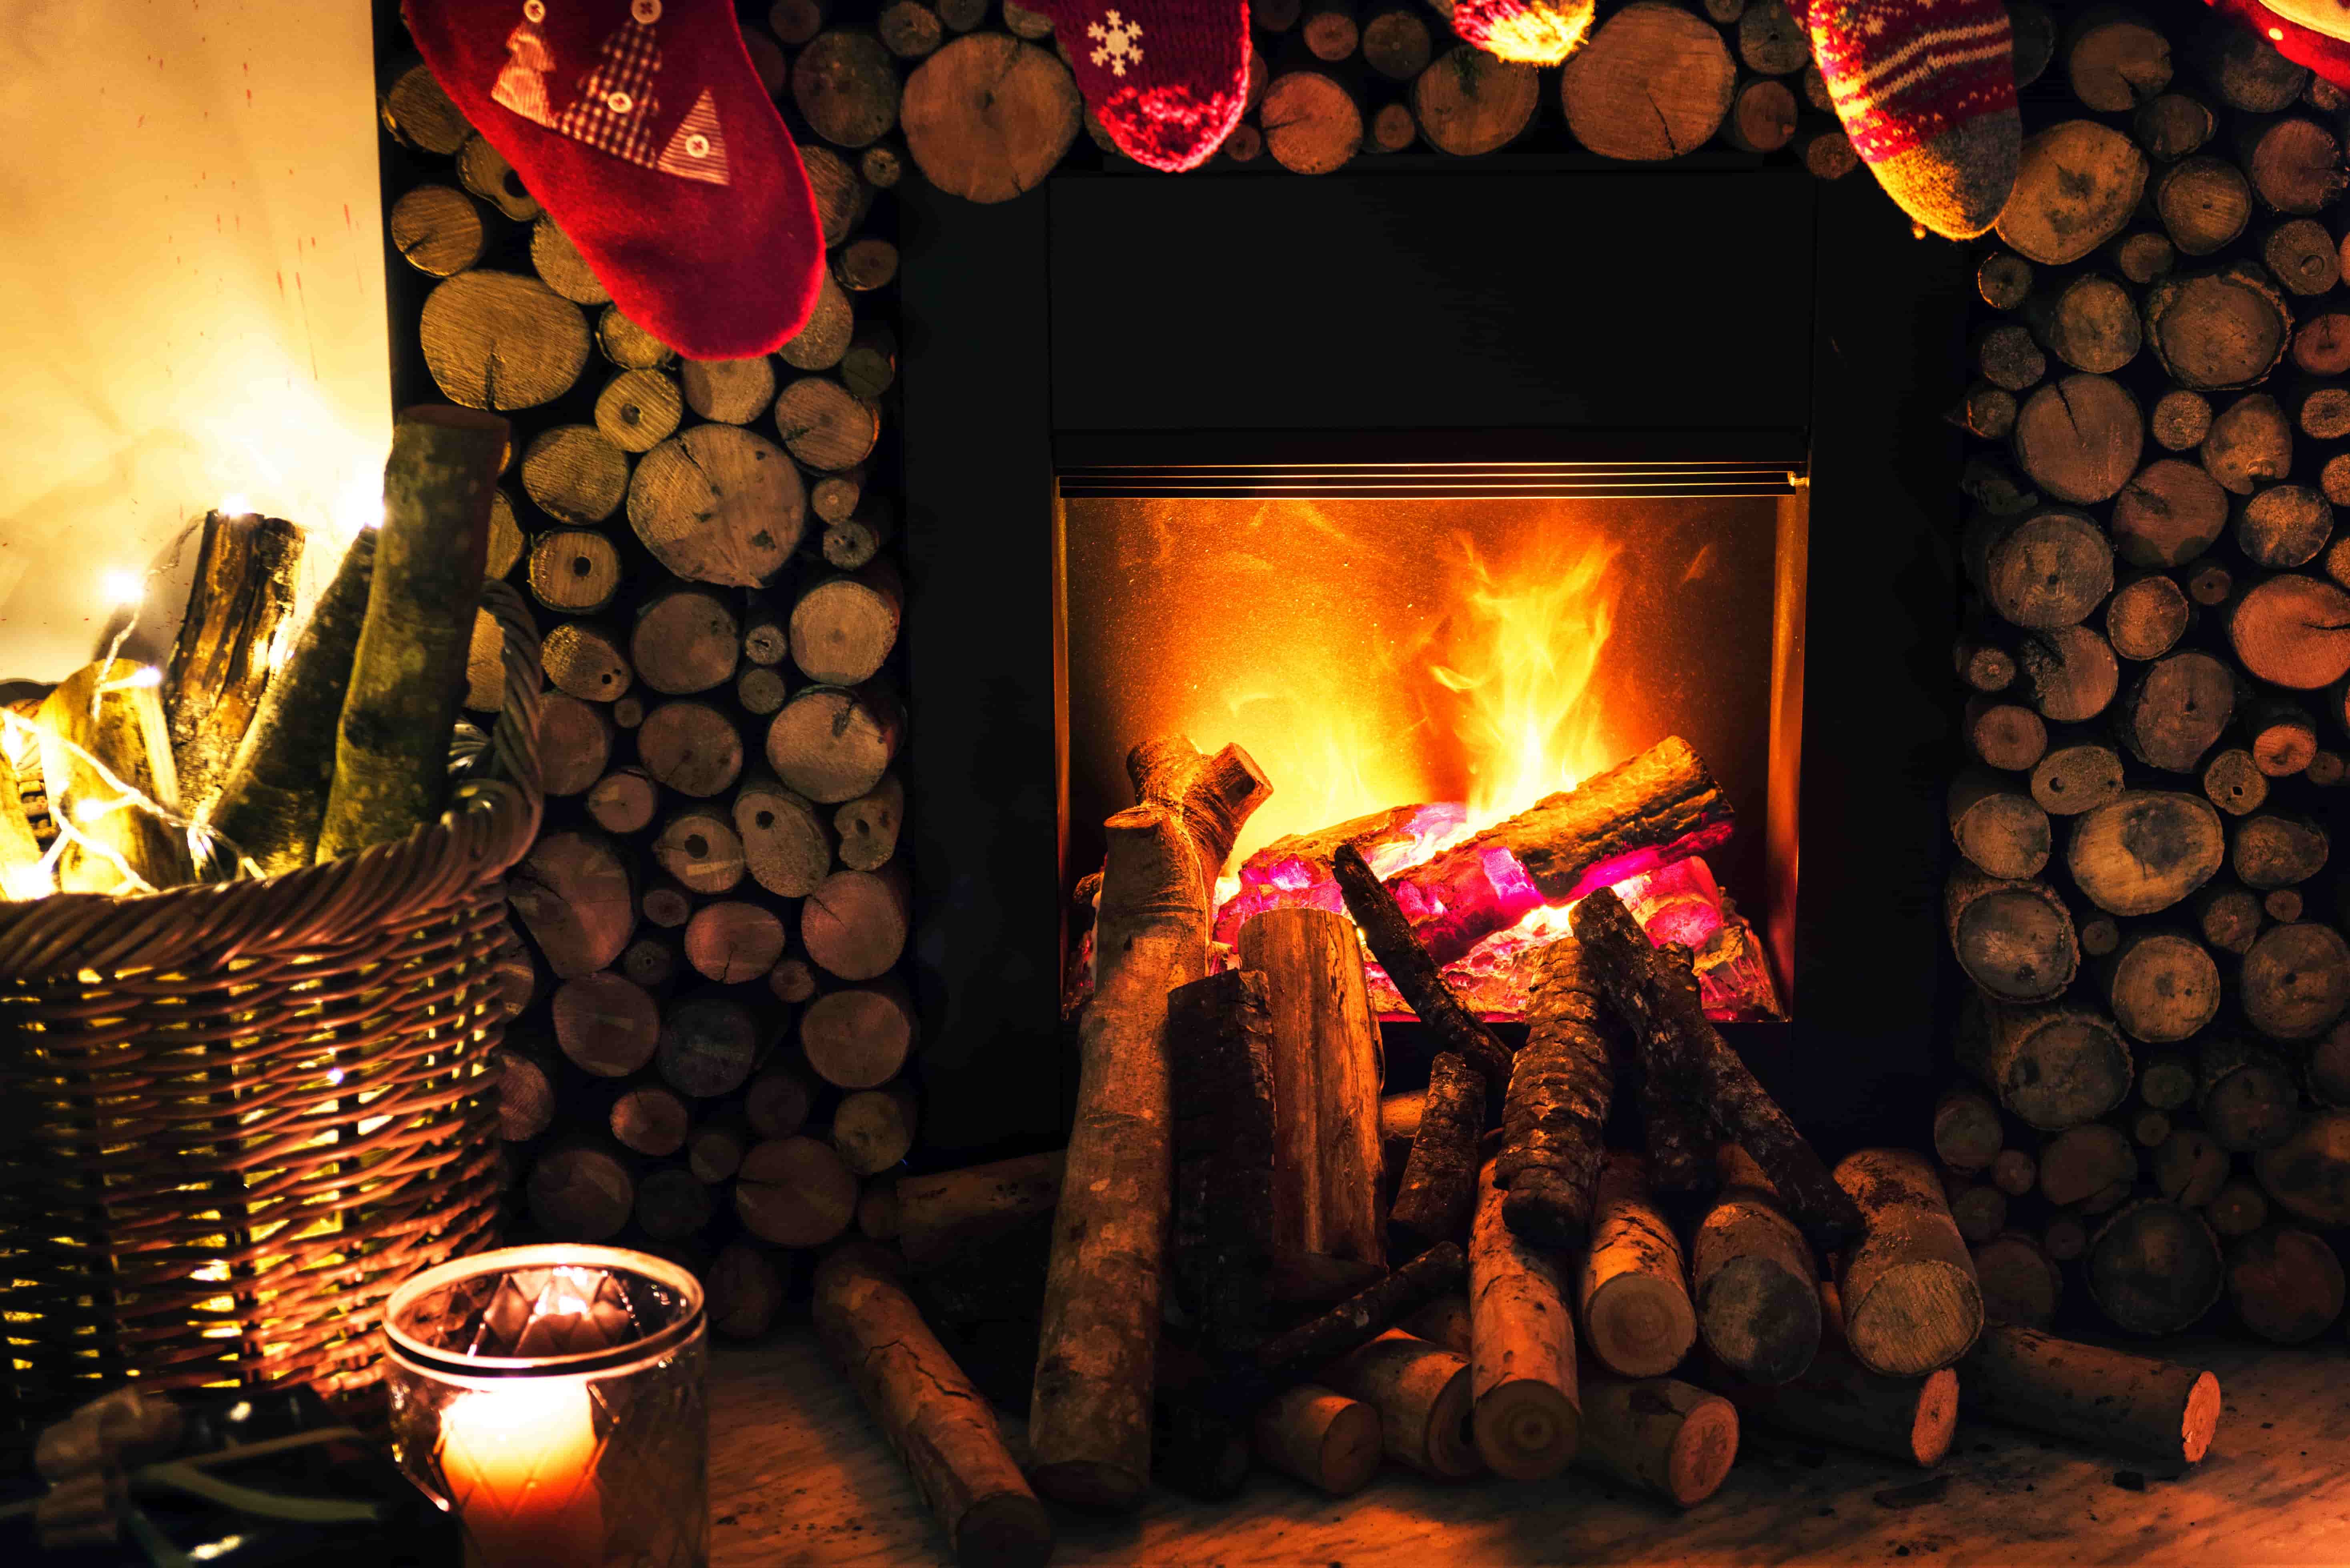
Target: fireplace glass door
1429, 653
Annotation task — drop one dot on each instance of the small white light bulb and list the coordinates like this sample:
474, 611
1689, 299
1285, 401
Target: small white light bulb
234, 505
145, 675
122, 589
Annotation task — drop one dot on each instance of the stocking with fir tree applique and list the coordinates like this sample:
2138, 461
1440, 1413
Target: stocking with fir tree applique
644, 130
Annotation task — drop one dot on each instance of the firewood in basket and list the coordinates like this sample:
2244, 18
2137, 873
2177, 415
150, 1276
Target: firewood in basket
408, 671
1756, 1284
1424, 1395
1527, 1419
275, 794
934, 1418
106, 761
1632, 1295
2133, 1404
1388, 932
1677, 1045
1660, 1434
243, 590
1910, 1300
1089, 1421
1556, 1113
1438, 1191
1326, 1069
1219, 1048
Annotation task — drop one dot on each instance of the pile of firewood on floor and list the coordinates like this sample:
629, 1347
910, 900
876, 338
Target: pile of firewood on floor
1208, 1278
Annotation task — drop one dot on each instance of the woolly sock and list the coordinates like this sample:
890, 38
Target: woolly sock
641, 128
2312, 33
1166, 79
1926, 90
1528, 32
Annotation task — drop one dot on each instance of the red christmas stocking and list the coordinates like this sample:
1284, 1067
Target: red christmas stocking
1926, 90
641, 127
2312, 33
1166, 79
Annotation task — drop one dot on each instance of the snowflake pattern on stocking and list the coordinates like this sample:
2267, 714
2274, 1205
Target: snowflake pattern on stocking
1116, 38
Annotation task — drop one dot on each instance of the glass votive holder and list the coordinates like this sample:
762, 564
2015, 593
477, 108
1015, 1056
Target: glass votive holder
551, 1396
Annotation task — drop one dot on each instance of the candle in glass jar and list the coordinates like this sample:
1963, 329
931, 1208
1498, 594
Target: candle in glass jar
520, 1463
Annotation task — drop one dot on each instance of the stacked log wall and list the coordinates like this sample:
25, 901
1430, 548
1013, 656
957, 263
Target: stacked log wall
2152, 676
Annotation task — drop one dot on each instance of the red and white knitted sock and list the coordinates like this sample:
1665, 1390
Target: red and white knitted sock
641, 127
1926, 90
1166, 79
1528, 32
2312, 33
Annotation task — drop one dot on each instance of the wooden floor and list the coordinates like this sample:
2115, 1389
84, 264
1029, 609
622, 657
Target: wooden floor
799, 1475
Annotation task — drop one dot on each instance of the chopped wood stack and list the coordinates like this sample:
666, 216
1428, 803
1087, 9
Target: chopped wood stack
712, 1059
2154, 666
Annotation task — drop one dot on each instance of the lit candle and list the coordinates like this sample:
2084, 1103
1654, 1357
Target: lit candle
519, 1460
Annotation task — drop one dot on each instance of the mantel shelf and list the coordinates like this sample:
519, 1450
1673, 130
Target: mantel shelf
800, 1477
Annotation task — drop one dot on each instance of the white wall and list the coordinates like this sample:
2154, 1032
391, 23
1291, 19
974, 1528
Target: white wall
191, 296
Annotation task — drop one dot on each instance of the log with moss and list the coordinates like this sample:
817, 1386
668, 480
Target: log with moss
1438, 1191
274, 796
1561, 1086
408, 675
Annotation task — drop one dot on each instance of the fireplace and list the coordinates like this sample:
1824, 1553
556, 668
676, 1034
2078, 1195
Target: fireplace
1413, 442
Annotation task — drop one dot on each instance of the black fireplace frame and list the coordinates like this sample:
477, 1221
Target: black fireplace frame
1538, 308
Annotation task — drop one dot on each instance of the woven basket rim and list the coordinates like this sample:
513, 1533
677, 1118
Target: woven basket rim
67, 937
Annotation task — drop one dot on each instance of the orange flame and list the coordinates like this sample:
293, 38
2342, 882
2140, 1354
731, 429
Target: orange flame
1519, 654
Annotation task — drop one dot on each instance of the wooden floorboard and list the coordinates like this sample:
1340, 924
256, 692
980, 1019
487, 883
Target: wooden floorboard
799, 1475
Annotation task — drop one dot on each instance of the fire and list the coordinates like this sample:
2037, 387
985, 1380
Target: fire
1520, 655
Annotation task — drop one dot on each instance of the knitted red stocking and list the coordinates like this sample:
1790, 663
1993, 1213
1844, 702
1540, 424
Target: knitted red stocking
1166, 79
1926, 90
641, 126
2312, 33
1530, 32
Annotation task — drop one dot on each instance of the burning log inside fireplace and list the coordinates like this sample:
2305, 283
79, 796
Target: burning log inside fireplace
1648, 811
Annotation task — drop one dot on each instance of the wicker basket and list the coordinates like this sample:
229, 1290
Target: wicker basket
235, 1116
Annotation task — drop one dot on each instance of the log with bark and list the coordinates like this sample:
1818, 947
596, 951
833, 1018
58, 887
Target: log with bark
1327, 1068
1218, 1052
1660, 1434
2121, 1403
1527, 1419
2013, 939
1425, 1398
1091, 1405
1552, 1119
1679, 1047
1388, 932
2021, 1285
1910, 1420
274, 796
1632, 1293
1320, 1437
2154, 1267
1756, 1293
220, 661
936, 1420
1438, 1193
1910, 1300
